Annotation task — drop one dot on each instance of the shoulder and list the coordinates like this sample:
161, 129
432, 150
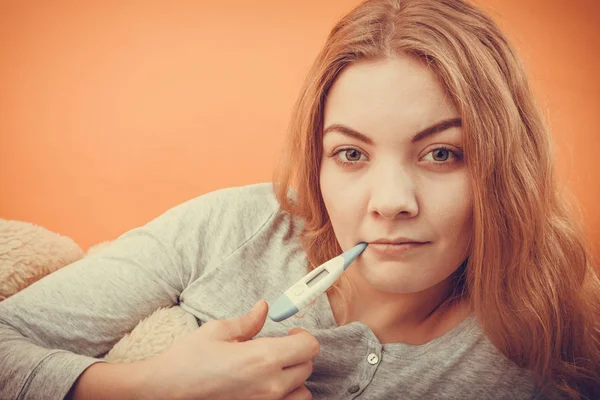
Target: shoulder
211, 226
246, 204
227, 217
245, 207
259, 197
472, 353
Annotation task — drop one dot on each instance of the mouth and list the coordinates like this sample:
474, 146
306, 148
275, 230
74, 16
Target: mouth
395, 248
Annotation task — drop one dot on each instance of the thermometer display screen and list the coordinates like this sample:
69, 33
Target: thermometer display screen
317, 278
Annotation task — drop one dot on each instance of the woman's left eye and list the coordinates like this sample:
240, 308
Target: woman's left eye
441, 155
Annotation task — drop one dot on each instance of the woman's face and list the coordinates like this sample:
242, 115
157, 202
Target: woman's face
393, 170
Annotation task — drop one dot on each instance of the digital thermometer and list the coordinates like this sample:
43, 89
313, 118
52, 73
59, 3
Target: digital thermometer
315, 283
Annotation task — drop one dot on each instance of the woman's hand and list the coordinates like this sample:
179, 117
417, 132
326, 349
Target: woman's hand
220, 361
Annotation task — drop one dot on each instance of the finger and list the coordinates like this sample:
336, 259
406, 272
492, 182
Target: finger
300, 393
295, 378
299, 346
302, 371
295, 331
288, 350
242, 328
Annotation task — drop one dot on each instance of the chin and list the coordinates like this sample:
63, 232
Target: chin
387, 278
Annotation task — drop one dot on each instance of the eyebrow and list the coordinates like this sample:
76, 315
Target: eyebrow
435, 128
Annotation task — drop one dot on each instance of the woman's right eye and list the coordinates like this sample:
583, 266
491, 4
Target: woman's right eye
350, 156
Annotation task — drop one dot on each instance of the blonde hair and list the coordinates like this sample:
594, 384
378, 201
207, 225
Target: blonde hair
529, 276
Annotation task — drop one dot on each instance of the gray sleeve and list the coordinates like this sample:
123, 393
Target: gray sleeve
51, 331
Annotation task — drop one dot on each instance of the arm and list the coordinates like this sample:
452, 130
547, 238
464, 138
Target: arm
106, 381
51, 331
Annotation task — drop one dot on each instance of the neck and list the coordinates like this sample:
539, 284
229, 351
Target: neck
413, 318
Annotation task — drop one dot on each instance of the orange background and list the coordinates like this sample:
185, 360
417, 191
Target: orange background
112, 112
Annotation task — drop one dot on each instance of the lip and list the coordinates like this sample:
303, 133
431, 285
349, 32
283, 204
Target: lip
397, 240
394, 249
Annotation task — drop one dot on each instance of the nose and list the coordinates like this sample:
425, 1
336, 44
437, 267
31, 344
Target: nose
393, 194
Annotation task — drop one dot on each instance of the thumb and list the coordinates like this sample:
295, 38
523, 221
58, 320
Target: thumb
247, 326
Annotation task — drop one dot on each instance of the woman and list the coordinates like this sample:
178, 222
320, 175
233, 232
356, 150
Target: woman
415, 132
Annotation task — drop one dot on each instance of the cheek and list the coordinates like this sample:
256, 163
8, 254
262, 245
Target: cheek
342, 201
451, 209
342, 207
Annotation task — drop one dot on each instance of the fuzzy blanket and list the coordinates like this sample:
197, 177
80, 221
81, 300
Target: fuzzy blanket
29, 252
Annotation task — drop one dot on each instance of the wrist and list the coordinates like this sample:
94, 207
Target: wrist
144, 381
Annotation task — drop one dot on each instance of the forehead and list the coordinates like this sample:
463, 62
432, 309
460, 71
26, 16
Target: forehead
392, 95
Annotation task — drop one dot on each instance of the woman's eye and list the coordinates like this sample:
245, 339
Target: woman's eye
347, 157
441, 155
352, 154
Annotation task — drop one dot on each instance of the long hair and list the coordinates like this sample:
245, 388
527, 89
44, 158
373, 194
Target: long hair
529, 276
